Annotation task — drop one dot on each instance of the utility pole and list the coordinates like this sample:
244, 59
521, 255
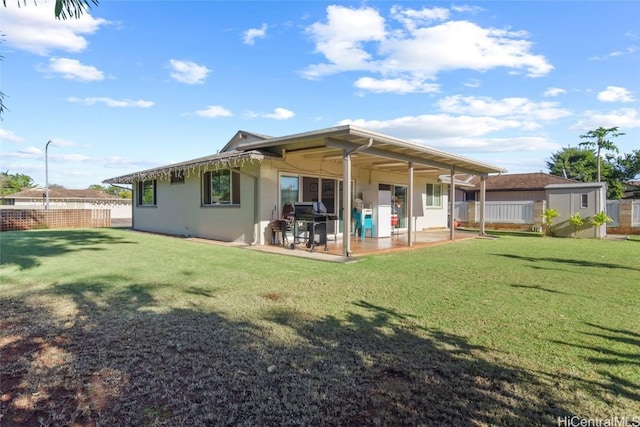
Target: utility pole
46, 174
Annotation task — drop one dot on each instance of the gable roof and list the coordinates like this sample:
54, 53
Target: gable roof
521, 181
60, 193
375, 150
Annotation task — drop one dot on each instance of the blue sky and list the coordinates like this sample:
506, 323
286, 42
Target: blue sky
138, 84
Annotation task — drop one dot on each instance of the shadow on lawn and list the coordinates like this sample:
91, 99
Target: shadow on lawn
26, 248
625, 357
574, 262
93, 355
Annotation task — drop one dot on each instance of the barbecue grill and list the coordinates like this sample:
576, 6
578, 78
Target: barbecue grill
311, 221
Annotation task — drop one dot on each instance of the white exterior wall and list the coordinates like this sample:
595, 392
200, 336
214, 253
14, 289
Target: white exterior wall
179, 210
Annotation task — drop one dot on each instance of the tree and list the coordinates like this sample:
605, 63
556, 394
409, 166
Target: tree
12, 183
573, 163
580, 164
598, 141
121, 192
627, 166
66, 9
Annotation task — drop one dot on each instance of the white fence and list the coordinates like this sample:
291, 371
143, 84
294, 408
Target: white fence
613, 212
499, 212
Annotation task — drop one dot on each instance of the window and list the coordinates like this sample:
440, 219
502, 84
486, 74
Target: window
177, 177
434, 195
221, 187
584, 201
147, 193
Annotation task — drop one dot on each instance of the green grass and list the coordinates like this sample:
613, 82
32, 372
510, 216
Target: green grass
122, 328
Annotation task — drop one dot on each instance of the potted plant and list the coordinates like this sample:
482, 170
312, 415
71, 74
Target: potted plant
599, 220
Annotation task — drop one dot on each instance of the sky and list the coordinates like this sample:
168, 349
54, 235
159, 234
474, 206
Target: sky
133, 85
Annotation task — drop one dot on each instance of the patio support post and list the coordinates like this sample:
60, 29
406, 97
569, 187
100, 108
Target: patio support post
410, 207
452, 204
483, 191
346, 203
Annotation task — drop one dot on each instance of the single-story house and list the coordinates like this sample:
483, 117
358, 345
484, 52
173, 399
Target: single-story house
512, 187
65, 198
235, 195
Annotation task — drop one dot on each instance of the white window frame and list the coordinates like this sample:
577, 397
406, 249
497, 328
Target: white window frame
431, 198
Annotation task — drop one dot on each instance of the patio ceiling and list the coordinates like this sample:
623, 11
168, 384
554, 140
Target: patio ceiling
385, 153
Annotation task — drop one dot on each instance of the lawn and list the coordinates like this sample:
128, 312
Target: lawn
113, 327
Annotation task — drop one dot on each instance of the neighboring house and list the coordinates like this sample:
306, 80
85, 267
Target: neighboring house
631, 190
514, 187
63, 198
235, 194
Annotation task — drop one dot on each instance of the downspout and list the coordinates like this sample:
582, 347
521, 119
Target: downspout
346, 202
256, 213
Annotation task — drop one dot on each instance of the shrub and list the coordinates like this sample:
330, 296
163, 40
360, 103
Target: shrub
577, 221
549, 214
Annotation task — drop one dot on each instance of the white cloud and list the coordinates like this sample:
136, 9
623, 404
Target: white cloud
58, 142
213, 111
615, 94
70, 157
627, 51
361, 40
35, 29
72, 69
188, 72
7, 135
110, 102
398, 85
341, 39
280, 114
254, 33
624, 118
520, 108
412, 18
436, 126
459, 133
554, 91
24, 153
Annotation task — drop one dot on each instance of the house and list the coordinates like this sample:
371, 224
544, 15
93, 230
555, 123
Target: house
236, 194
513, 187
64, 198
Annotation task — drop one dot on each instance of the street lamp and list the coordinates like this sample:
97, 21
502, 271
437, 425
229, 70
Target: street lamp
46, 174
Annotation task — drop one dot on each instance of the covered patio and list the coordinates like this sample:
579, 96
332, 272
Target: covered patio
351, 146
367, 246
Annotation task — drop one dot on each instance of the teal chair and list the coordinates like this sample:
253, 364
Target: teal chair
367, 223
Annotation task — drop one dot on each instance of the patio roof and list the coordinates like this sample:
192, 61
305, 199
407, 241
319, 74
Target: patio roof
224, 160
385, 152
